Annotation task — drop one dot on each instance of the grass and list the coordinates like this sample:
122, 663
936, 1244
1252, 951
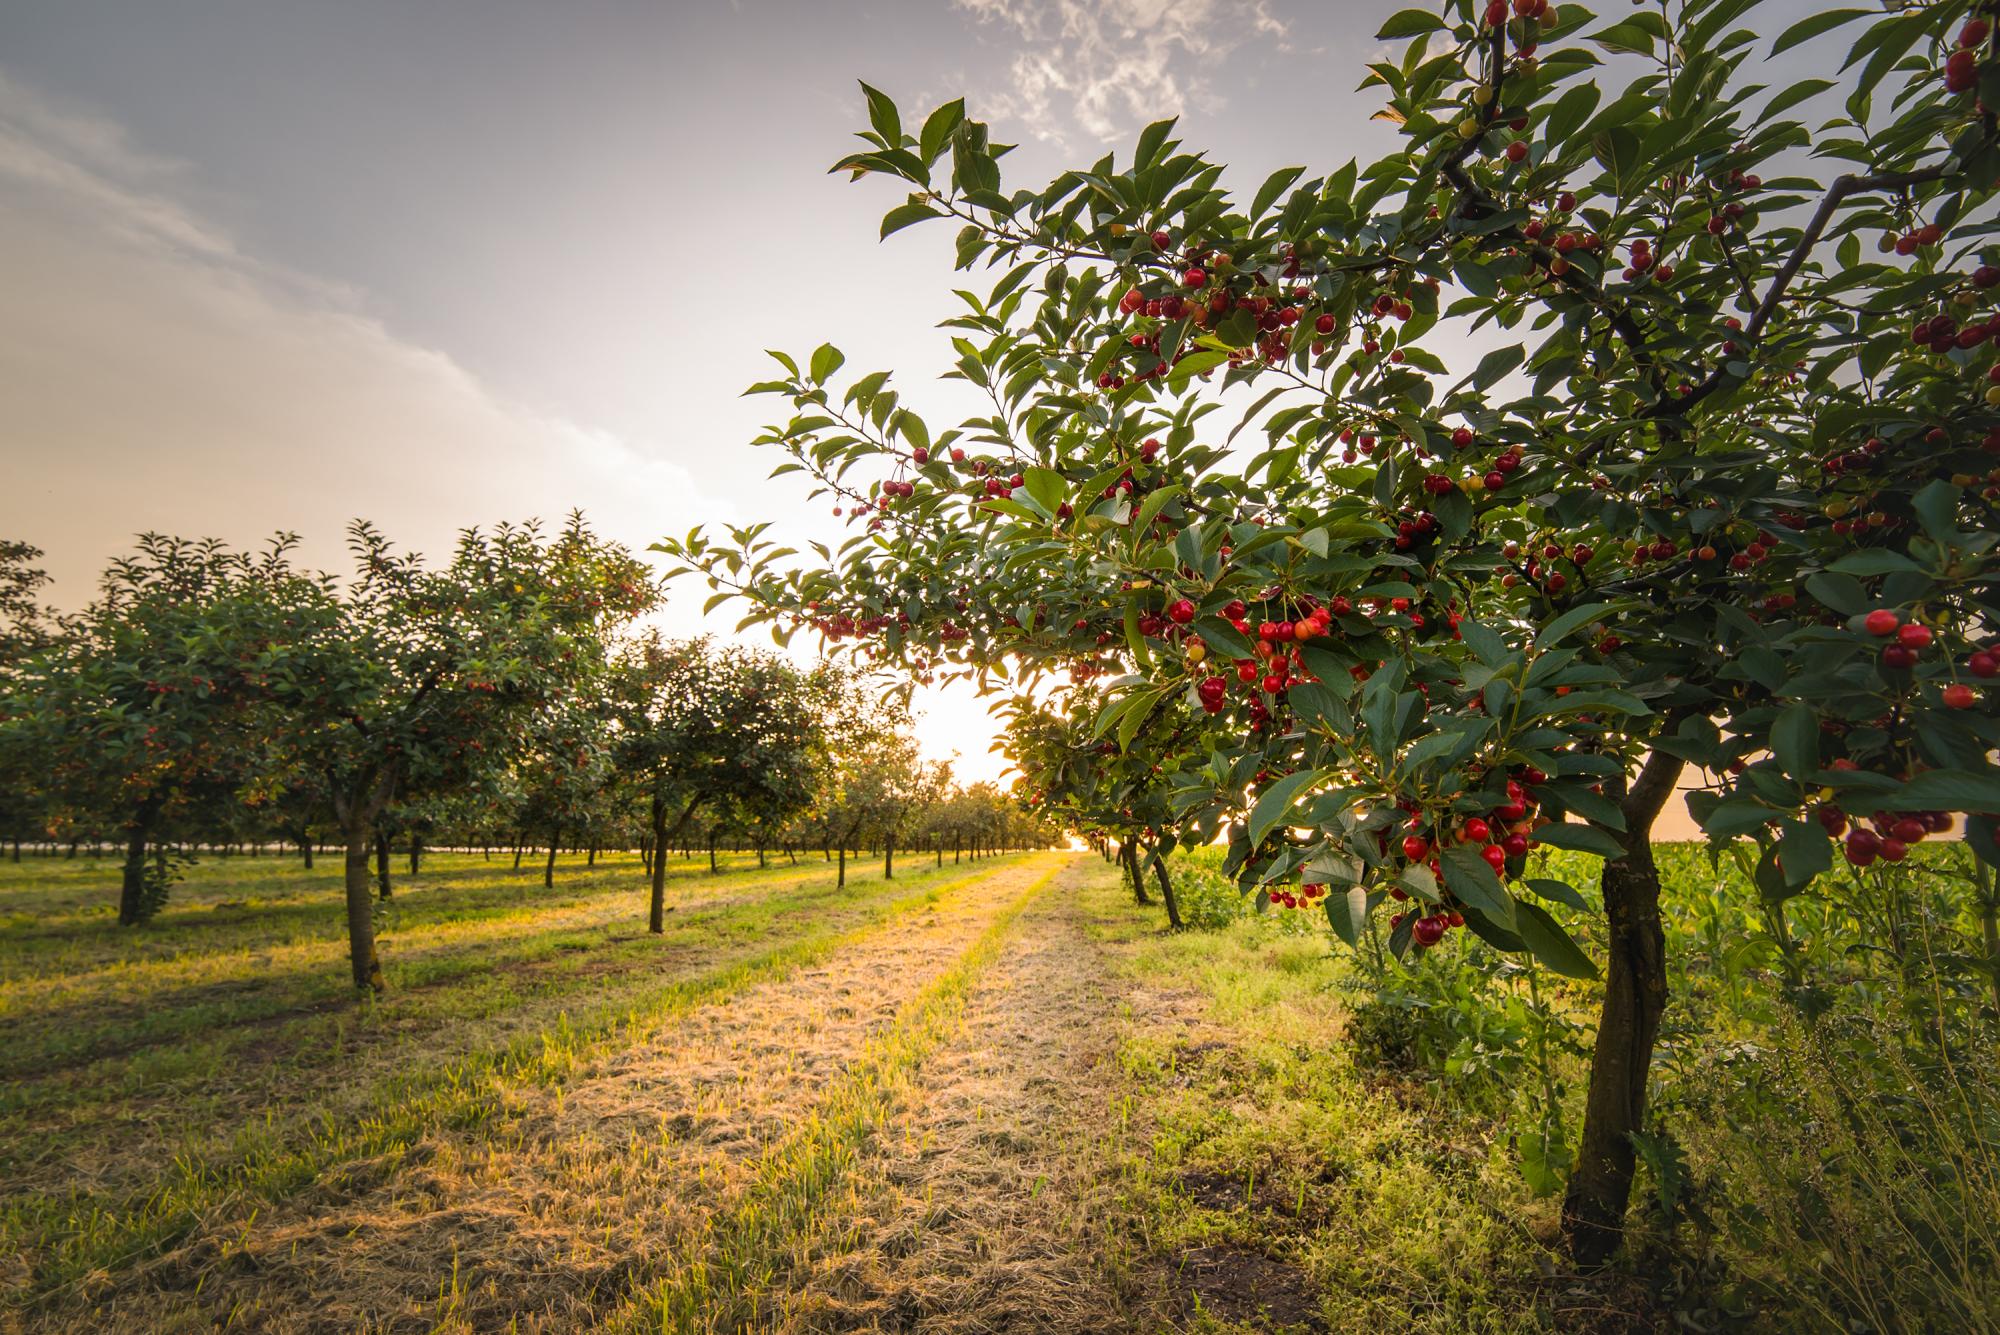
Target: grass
116, 1156
1386, 1208
717, 1284
967, 1099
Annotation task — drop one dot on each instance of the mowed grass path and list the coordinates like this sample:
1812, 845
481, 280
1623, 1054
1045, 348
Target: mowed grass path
156, 1076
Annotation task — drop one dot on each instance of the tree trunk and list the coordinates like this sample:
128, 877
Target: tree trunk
840, 879
132, 893
712, 837
367, 970
416, 851
1128, 858
656, 920
590, 858
549, 867
888, 859
1635, 995
1167, 891
382, 865
306, 850
520, 847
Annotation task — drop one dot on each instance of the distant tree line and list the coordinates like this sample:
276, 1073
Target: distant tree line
504, 699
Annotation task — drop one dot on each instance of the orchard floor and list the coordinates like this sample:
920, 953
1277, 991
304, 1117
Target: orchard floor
986, 1097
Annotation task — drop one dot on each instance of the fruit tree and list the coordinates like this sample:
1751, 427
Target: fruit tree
1715, 484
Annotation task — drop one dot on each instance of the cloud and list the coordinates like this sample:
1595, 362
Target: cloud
1102, 68
154, 376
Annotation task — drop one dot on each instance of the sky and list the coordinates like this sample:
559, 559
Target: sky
278, 264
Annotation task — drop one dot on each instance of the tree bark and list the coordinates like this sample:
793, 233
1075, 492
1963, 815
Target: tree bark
1167, 891
382, 865
132, 893
840, 878
1635, 996
889, 859
712, 837
367, 970
306, 849
549, 867
1128, 858
656, 920
416, 851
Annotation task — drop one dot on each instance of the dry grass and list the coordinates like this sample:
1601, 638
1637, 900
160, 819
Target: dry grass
109, 1162
554, 1198
994, 1201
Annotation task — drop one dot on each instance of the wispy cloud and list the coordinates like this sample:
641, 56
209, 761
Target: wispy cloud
1098, 69
157, 376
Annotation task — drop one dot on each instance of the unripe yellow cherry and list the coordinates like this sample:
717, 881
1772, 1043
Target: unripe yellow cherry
1993, 395
1196, 651
1469, 128
1482, 95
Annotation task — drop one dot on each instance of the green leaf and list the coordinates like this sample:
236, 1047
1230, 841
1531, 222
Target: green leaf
1276, 802
1409, 23
1347, 913
1795, 740
1948, 790
938, 126
1274, 185
1549, 943
1937, 506
1484, 642
1874, 561
1581, 838
1630, 35
1814, 24
1572, 620
1194, 364
905, 215
1151, 140
1474, 885
1046, 486
826, 359
1562, 892
1497, 364
1806, 851
1792, 96
882, 116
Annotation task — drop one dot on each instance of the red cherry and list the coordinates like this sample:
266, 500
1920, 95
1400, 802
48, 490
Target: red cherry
1181, 611
1427, 932
1194, 278
1960, 696
1914, 636
1892, 850
1517, 150
1861, 847
1496, 857
1162, 241
1476, 831
1415, 847
1882, 621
